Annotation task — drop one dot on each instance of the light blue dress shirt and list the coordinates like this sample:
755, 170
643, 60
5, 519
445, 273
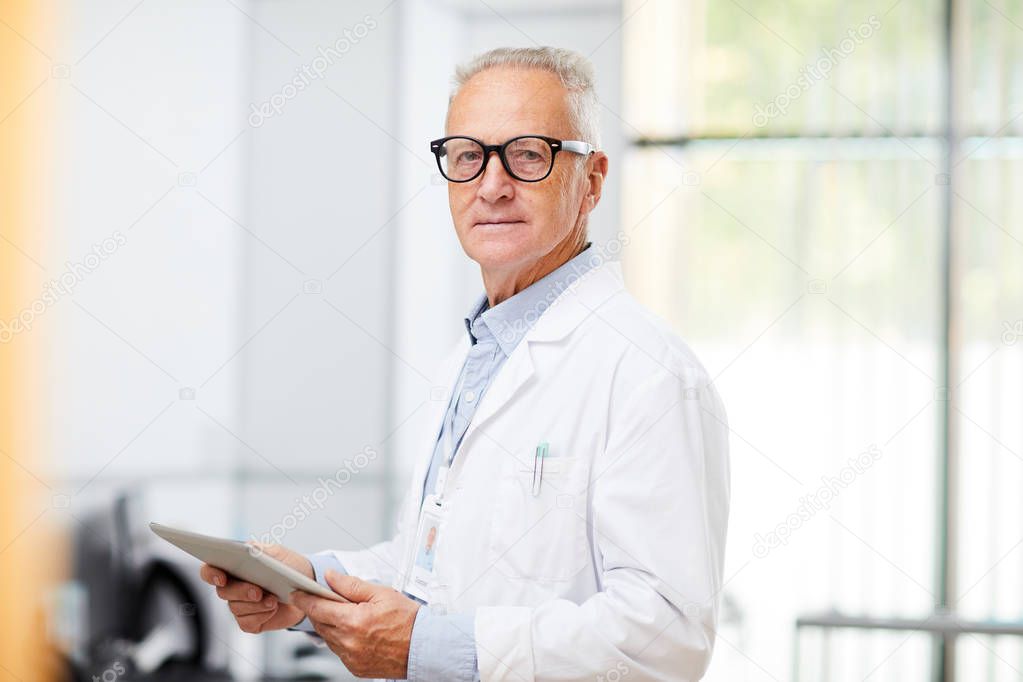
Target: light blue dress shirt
443, 646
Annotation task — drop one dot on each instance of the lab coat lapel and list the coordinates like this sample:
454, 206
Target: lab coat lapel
569, 310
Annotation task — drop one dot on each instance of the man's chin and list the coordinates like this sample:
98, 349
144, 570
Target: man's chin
493, 253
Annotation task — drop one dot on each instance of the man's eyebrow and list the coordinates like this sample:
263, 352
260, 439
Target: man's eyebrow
491, 140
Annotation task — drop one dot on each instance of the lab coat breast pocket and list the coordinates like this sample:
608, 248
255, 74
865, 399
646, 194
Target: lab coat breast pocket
542, 536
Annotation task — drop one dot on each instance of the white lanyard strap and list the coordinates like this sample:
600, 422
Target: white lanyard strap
448, 441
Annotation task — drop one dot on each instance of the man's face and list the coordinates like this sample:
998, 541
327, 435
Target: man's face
505, 224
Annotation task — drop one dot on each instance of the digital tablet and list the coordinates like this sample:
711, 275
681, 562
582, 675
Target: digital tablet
245, 562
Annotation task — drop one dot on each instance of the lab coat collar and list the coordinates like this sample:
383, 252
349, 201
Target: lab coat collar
582, 298
510, 320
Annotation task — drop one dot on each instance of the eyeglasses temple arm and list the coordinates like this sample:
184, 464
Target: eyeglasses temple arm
578, 147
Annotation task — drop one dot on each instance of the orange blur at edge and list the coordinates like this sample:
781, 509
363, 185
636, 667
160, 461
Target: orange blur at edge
32, 556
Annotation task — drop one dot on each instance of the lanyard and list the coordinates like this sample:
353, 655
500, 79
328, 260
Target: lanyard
442, 473
447, 441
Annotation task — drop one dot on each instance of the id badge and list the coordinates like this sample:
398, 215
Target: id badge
421, 573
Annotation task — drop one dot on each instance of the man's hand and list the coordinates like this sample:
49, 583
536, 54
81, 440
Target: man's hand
254, 609
371, 635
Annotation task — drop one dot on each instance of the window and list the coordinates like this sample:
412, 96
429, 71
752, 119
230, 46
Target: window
794, 183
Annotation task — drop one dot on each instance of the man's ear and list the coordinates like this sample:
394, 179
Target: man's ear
597, 164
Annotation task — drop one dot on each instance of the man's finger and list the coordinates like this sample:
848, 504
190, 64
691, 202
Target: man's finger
247, 608
351, 588
254, 624
266, 548
237, 590
318, 609
213, 575
303, 601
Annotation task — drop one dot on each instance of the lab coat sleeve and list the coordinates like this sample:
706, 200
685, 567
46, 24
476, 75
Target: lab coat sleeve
376, 564
658, 516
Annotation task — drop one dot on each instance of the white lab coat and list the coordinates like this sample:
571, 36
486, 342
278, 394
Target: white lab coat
617, 564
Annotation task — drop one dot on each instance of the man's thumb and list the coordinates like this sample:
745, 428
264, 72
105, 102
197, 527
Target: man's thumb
284, 555
351, 588
268, 549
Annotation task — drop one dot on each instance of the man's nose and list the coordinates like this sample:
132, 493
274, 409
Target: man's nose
495, 183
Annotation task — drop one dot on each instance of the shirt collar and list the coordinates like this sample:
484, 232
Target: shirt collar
510, 320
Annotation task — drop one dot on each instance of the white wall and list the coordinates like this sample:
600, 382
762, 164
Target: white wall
320, 189
149, 100
147, 112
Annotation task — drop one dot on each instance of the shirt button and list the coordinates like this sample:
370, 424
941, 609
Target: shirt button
469, 395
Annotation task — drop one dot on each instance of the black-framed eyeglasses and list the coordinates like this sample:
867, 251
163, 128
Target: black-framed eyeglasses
529, 158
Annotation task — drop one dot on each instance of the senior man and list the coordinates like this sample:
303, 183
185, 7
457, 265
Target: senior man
567, 516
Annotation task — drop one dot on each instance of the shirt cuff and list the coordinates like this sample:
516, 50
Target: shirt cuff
321, 564
443, 647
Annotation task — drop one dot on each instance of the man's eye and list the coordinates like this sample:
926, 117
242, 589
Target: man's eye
467, 157
527, 155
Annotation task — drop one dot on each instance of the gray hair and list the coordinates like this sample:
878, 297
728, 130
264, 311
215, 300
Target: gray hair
573, 69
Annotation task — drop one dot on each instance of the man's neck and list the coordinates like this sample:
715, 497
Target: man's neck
501, 286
